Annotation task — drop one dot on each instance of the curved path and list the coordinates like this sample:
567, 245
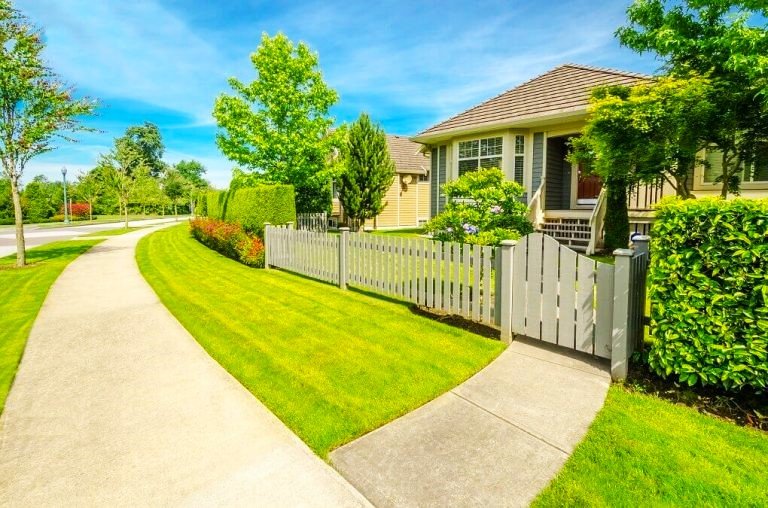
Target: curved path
116, 404
495, 440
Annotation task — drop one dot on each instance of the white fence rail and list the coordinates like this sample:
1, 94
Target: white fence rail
533, 287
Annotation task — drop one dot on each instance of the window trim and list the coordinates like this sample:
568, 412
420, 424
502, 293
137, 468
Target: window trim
700, 185
479, 157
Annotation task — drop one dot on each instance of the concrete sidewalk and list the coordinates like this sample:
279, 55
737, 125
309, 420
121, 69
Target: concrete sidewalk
115, 404
496, 440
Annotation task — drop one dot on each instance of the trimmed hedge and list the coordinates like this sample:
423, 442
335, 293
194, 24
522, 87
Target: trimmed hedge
253, 206
230, 240
709, 292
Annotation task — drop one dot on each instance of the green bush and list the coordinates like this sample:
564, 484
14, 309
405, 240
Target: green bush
709, 292
215, 203
483, 208
253, 206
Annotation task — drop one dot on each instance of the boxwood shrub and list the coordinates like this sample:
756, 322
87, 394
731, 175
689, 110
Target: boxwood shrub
709, 292
253, 206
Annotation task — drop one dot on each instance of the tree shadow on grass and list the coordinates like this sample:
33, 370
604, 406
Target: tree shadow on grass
37, 256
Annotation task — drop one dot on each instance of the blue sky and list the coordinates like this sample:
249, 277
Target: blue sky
409, 64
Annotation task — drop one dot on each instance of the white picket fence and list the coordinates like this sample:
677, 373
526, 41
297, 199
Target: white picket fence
533, 287
316, 222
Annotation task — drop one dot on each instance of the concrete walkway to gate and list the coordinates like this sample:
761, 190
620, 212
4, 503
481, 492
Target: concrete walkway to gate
115, 404
495, 440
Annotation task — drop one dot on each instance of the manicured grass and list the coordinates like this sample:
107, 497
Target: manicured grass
331, 364
405, 232
22, 292
642, 450
110, 232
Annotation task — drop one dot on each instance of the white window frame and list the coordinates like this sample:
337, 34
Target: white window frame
479, 158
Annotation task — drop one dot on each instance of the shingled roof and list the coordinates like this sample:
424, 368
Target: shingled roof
407, 155
563, 89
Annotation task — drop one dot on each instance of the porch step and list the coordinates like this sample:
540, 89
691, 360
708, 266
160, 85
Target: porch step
573, 233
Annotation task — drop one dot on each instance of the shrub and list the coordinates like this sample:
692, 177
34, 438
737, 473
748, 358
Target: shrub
77, 210
709, 292
483, 208
230, 240
253, 206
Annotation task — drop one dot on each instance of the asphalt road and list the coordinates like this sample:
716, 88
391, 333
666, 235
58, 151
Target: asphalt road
40, 234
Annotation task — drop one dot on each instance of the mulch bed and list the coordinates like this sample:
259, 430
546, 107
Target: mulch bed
745, 408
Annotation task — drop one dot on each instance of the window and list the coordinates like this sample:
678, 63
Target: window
756, 171
424, 177
479, 153
519, 158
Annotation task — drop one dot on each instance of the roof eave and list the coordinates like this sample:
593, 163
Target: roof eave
527, 121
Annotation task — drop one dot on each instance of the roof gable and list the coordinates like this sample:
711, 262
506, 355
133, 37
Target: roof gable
407, 155
563, 89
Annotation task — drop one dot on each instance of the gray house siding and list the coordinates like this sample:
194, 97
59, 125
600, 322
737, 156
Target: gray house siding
538, 161
437, 176
558, 192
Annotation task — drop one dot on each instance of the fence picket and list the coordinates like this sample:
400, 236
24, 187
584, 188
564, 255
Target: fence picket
476, 280
430, 267
567, 309
533, 288
549, 291
487, 295
519, 265
466, 266
585, 322
447, 277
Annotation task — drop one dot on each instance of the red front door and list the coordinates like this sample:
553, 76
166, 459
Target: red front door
588, 187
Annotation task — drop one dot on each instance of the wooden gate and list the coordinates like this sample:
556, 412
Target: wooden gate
561, 297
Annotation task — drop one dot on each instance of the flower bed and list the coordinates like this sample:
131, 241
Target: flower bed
230, 240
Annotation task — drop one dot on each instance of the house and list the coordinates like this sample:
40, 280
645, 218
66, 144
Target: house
525, 132
407, 200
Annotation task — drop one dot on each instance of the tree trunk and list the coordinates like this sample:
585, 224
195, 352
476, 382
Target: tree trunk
616, 216
90, 211
125, 207
175, 212
21, 253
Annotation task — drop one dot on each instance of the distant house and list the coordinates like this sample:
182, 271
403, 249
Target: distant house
525, 130
407, 200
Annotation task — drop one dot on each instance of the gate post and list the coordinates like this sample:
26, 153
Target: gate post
266, 245
343, 251
504, 276
621, 349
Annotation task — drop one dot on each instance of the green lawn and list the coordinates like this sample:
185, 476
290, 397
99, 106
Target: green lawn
641, 450
405, 232
331, 364
22, 292
111, 232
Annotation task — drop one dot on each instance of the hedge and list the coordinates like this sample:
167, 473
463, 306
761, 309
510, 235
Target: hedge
709, 292
253, 206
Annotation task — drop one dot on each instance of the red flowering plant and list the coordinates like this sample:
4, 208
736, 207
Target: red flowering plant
77, 210
230, 240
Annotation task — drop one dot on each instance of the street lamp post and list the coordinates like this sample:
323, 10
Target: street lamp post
64, 176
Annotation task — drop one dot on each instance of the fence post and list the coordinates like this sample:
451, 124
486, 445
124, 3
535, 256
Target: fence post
289, 224
504, 276
343, 243
266, 245
642, 244
621, 349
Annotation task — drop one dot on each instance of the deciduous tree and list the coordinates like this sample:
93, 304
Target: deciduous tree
278, 124
36, 108
89, 188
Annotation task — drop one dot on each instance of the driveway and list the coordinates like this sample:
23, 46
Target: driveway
495, 440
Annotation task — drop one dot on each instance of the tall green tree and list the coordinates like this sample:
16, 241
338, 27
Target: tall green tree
368, 171
6, 203
43, 198
89, 188
146, 140
120, 170
36, 108
193, 172
176, 187
725, 41
279, 123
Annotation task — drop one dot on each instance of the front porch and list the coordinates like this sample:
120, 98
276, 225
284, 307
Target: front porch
569, 205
